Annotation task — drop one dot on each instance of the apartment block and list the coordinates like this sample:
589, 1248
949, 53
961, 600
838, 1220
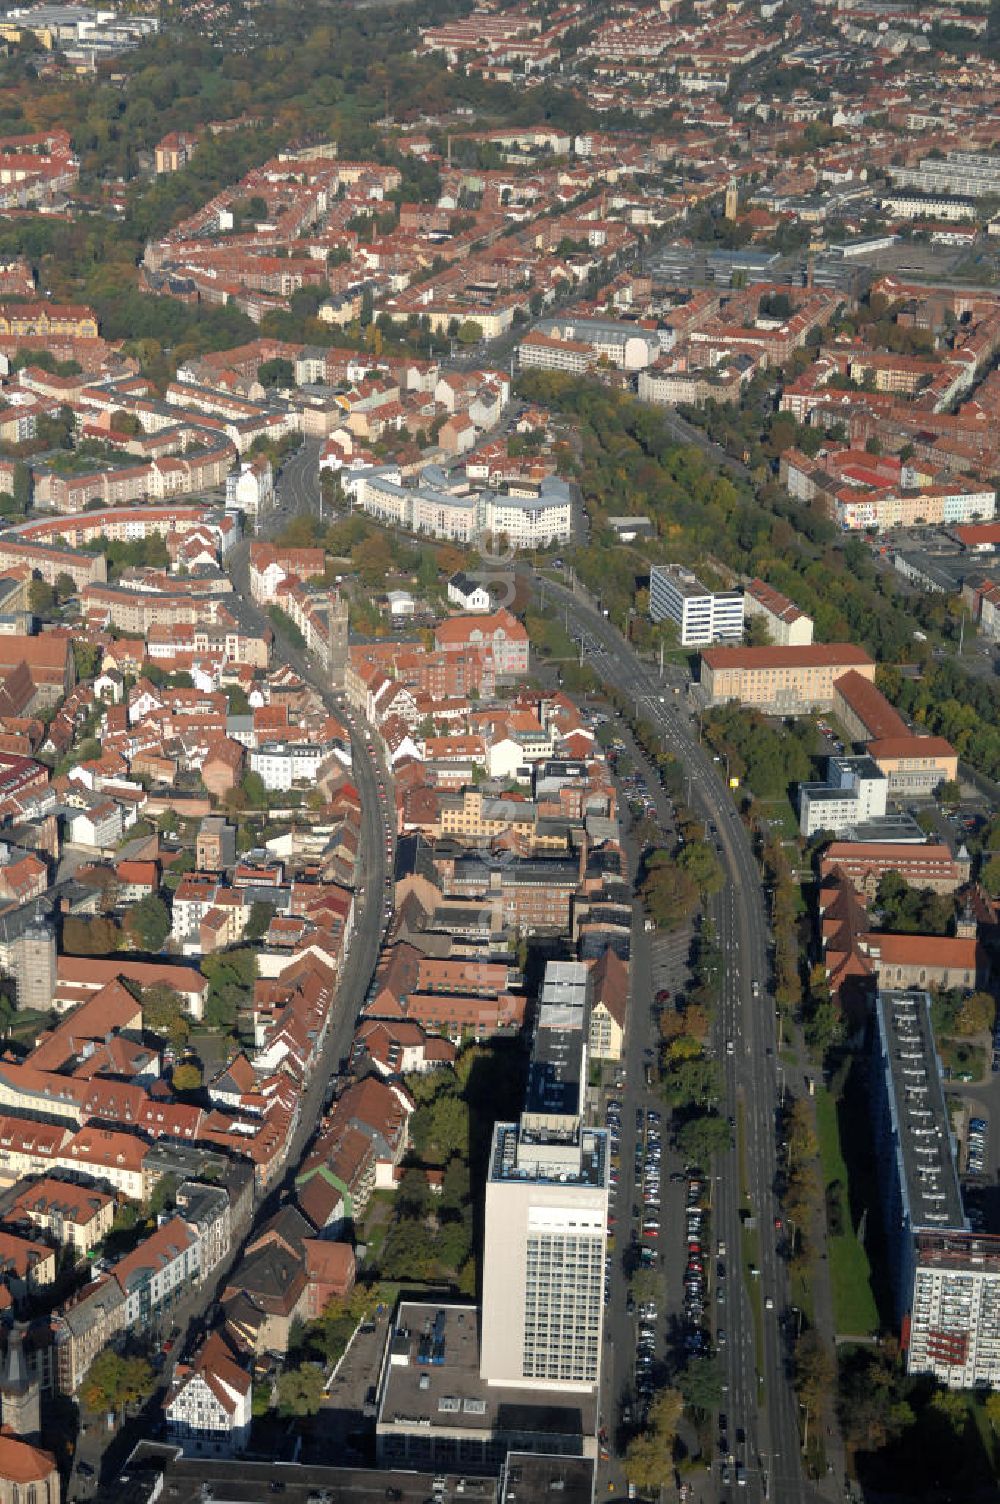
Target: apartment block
912, 1145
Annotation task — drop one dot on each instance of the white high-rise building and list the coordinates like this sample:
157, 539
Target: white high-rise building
701, 616
547, 1211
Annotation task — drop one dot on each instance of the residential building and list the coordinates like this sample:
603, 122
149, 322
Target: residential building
468, 594
608, 1007
954, 1316
700, 615
912, 1146
546, 1211
787, 626
208, 1408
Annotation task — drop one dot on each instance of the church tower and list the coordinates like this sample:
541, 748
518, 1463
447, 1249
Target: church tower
20, 1405
732, 199
337, 629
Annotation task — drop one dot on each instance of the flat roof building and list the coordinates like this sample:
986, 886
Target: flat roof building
546, 1211
700, 615
911, 1137
436, 1411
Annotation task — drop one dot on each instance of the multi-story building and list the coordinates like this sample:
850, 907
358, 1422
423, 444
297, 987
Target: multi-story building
853, 791
700, 615
945, 1279
546, 1211
954, 1319
787, 626
911, 1137
865, 863
781, 681
915, 765
208, 1408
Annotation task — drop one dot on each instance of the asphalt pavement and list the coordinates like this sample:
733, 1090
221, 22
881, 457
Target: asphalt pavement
760, 1399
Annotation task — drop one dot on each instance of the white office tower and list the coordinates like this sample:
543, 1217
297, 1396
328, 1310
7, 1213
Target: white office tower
547, 1211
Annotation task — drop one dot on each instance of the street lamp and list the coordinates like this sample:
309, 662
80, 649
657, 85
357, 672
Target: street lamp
719, 758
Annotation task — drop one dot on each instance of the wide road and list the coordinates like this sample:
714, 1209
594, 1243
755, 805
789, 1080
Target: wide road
759, 1400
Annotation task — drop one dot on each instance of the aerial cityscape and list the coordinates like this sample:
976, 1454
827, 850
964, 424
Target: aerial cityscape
499, 752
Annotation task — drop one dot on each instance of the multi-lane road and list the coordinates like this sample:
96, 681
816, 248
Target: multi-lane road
759, 1399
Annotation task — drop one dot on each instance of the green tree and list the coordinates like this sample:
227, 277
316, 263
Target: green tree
163, 1013
113, 1381
300, 1391
86, 659
949, 792
703, 1136
163, 1194
22, 486
701, 1385
990, 875
186, 1077
41, 598
469, 333
254, 790
700, 862
148, 922
277, 372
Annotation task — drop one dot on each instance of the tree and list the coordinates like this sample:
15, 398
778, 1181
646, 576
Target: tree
990, 875
22, 486
254, 790
700, 862
694, 1083
277, 372
113, 1381
86, 659
703, 1136
41, 598
186, 1077
649, 1455
646, 1285
701, 1385
90, 937
148, 923
163, 1013
65, 587
814, 1369
469, 333
993, 1409
163, 1194
300, 1391
669, 893
976, 1014
949, 792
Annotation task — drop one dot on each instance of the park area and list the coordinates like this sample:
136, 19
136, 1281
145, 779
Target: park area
854, 1308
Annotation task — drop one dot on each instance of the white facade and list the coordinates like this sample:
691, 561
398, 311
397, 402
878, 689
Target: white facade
855, 790
208, 1416
701, 616
955, 1311
531, 522
281, 765
470, 595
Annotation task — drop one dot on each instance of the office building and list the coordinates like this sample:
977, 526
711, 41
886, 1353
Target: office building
781, 681
854, 791
546, 1211
700, 615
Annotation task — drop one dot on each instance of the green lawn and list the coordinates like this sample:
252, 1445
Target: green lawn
854, 1308
961, 1059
